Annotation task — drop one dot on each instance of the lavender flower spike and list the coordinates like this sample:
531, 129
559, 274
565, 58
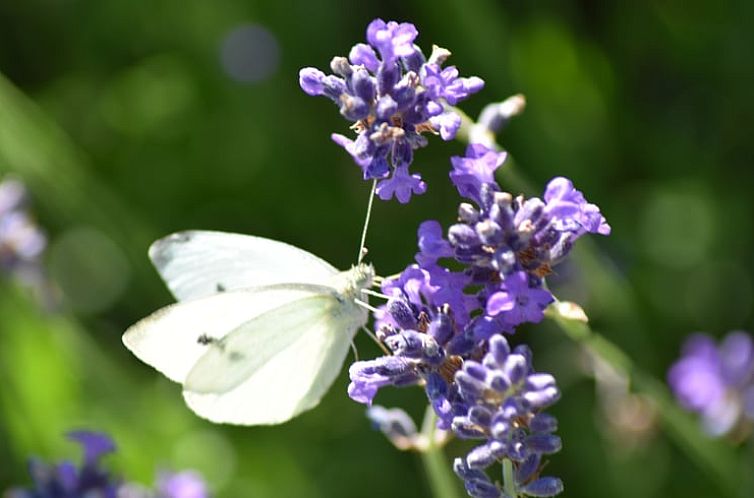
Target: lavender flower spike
393, 95
65, 480
717, 381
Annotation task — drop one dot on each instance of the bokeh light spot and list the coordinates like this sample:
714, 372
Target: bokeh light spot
150, 97
250, 53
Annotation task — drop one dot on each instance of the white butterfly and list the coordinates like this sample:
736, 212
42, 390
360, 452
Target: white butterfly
261, 328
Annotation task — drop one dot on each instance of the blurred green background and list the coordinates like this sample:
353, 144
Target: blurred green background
130, 120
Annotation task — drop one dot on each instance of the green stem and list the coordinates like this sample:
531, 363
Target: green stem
442, 482
509, 483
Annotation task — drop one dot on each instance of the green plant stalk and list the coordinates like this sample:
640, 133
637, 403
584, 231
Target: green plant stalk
442, 482
509, 483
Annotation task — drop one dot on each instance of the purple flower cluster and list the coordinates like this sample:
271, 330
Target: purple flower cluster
21, 241
65, 480
444, 326
500, 400
717, 381
506, 245
392, 94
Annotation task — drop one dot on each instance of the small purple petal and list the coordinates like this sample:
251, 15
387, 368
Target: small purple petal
401, 185
362, 54
94, 444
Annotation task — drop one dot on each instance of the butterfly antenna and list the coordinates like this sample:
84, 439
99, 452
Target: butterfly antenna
376, 341
355, 351
362, 249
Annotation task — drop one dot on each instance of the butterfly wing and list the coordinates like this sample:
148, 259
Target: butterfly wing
174, 338
198, 263
276, 365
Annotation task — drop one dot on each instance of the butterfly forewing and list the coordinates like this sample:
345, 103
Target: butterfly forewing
198, 263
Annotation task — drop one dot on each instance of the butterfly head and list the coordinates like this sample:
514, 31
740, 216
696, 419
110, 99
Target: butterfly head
351, 282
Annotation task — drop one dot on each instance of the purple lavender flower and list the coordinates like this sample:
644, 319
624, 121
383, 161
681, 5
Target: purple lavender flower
444, 327
64, 480
505, 245
21, 241
518, 302
717, 381
478, 166
186, 484
504, 399
499, 400
392, 98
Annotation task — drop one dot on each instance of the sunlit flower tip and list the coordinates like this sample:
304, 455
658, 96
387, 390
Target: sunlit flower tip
311, 81
495, 116
394, 423
392, 39
367, 377
571, 211
186, 484
447, 123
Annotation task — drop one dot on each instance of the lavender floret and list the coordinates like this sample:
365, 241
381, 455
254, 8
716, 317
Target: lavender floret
90, 479
65, 480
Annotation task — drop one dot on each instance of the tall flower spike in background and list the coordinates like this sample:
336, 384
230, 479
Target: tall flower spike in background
21, 240
91, 480
392, 94
717, 381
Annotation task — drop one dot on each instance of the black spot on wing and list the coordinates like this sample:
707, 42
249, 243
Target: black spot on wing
205, 340
219, 287
236, 356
